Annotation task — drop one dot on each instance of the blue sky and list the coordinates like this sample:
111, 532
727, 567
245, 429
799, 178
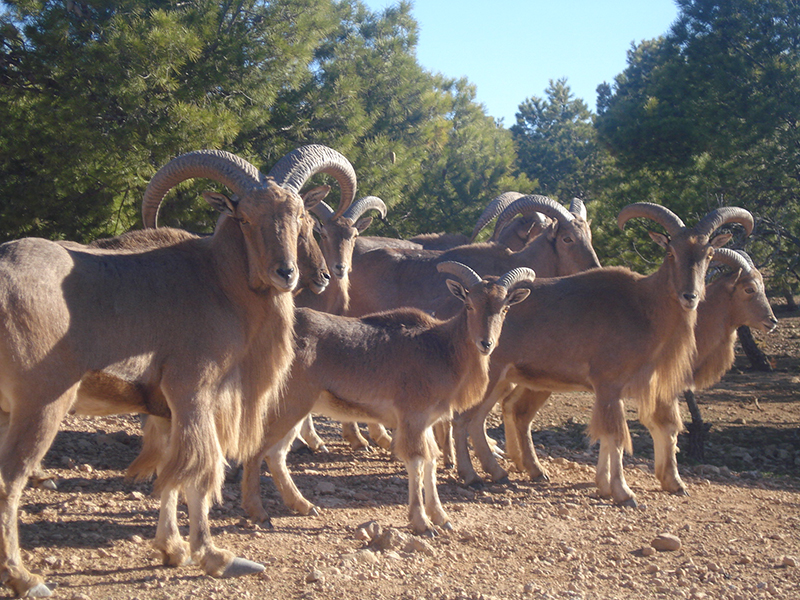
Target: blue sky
512, 50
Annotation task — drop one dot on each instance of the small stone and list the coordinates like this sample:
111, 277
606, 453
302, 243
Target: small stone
362, 535
416, 544
666, 542
315, 576
745, 560
137, 539
52, 561
648, 551
86, 468
325, 487
366, 557
788, 561
651, 569
136, 496
391, 539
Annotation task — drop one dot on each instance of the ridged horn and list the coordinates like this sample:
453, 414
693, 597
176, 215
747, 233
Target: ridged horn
515, 276
536, 218
721, 216
362, 205
323, 211
655, 212
467, 276
735, 259
294, 169
578, 208
534, 203
494, 208
223, 167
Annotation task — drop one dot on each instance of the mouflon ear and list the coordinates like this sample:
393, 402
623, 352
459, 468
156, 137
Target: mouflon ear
458, 290
516, 296
220, 202
660, 239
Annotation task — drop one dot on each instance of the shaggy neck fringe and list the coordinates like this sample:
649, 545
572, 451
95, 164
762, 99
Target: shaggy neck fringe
474, 366
714, 363
671, 366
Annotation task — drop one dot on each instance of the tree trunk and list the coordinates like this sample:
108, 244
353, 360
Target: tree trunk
697, 430
790, 303
758, 360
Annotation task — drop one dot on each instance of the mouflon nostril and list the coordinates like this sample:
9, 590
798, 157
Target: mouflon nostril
286, 272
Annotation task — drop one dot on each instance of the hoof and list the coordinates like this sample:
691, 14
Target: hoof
302, 450
241, 566
680, 492
429, 533
448, 526
323, 448
40, 590
504, 480
45, 484
542, 478
630, 503
264, 523
477, 484
314, 512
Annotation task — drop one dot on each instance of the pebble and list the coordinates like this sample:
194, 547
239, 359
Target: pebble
788, 561
325, 487
315, 576
666, 542
361, 557
391, 539
416, 544
648, 551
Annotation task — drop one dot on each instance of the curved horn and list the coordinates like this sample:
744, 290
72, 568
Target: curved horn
515, 276
735, 259
494, 208
467, 276
223, 167
655, 212
533, 203
578, 208
294, 169
721, 216
362, 205
536, 218
323, 211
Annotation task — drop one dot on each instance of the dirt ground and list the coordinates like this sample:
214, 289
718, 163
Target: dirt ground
739, 529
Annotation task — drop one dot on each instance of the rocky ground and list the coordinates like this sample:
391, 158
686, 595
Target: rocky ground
738, 533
